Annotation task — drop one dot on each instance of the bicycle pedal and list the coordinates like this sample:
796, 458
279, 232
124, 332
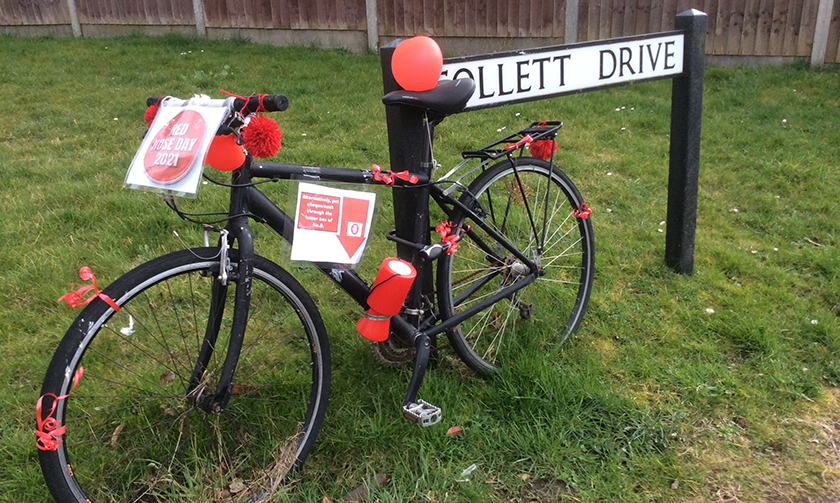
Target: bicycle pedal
422, 413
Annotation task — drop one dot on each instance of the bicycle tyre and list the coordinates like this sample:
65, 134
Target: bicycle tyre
131, 434
504, 195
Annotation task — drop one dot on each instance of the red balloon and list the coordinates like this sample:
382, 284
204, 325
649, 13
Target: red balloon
224, 154
416, 64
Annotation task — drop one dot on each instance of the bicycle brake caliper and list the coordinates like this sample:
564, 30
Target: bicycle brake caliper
422, 413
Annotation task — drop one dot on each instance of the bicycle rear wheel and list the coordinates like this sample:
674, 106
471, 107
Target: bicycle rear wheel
132, 432
530, 203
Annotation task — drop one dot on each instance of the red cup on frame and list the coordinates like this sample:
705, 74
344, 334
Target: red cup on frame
386, 298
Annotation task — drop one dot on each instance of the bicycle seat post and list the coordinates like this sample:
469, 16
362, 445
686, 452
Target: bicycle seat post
409, 147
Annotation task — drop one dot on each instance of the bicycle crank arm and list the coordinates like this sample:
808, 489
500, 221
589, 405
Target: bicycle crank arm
415, 410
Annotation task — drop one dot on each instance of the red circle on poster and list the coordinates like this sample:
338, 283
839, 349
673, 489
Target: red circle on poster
173, 149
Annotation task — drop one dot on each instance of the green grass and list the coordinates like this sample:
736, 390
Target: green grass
654, 399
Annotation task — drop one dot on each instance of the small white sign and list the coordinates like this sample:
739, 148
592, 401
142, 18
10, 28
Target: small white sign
171, 157
550, 71
331, 225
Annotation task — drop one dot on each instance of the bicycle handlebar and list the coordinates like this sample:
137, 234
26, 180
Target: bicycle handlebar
251, 104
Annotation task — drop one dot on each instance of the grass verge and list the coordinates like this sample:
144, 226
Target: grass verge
721, 386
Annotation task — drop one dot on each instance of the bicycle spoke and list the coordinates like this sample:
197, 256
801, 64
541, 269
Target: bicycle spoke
156, 319
178, 320
138, 348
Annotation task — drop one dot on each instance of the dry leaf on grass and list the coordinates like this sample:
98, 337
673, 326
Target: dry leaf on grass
167, 377
237, 486
116, 435
363, 491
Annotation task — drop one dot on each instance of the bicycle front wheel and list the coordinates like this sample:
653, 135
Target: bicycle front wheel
133, 429
531, 204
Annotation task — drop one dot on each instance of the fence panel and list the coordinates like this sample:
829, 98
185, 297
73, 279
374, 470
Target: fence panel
144, 12
832, 52
735, 27
472, 18
33, 12
287, 14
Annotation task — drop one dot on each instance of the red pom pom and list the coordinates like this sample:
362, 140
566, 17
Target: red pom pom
542, 149
150, 114
262, 137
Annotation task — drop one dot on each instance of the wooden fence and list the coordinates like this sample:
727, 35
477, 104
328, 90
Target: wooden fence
764, 28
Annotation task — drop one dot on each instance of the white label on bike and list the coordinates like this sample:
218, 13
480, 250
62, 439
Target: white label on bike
331, 225
171, 156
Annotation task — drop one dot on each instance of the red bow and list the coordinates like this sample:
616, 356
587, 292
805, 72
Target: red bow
75, 298
450, 234
583, 212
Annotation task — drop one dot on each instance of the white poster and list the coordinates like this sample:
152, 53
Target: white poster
171, 156
331, 225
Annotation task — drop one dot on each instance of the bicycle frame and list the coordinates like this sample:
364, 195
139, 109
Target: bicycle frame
247, 201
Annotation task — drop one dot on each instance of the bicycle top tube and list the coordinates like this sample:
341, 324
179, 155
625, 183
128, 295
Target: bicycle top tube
375, 175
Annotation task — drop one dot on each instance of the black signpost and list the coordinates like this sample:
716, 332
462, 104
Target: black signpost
514, 77
684, 170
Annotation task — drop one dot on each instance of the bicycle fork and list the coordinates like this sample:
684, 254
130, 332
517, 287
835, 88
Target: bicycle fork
198, 392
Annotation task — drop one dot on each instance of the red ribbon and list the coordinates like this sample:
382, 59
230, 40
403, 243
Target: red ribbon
260, 97
583, 212
75, 298
524, 141
48, 429
387, 177
450, 234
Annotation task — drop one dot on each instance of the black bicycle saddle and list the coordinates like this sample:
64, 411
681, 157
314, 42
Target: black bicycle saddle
447, 97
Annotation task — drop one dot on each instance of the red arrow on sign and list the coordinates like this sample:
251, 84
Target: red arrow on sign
352, 232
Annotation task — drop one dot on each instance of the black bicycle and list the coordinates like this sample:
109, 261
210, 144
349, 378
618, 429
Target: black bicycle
204, 374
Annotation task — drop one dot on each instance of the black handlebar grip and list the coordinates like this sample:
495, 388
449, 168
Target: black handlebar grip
275, 102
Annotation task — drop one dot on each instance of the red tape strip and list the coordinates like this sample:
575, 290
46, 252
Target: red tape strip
388, 177
524, 141
75, 298
450, 234
48, 431
583, 212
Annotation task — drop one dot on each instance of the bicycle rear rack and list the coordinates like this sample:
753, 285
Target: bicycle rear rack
546, 130
504, 147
